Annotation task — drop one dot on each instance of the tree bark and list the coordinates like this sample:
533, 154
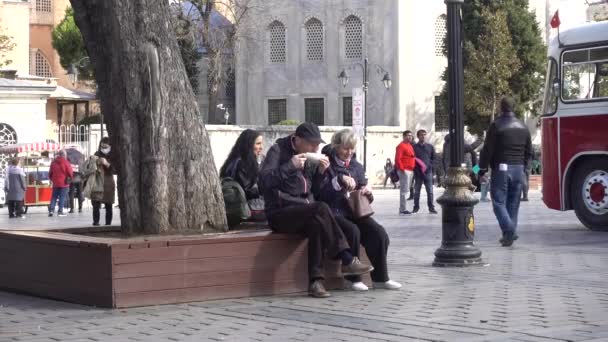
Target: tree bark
167, 180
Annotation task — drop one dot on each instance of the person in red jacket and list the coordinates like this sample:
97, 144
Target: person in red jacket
405, 162
60, 174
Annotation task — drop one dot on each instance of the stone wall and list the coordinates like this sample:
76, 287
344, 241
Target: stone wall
382, 141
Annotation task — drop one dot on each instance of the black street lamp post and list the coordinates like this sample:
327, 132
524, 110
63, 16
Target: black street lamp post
386, 80
458, 222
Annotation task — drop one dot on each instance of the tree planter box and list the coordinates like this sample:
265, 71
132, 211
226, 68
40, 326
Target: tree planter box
119, 273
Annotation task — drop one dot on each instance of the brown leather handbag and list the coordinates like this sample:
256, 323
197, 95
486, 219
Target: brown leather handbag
360, 205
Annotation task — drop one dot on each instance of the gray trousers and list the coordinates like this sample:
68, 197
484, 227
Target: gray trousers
405, 180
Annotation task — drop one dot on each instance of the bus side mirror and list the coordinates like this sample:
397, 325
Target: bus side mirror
556, 86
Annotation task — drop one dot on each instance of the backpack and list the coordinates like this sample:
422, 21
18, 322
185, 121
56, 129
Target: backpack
235, 201
89, 167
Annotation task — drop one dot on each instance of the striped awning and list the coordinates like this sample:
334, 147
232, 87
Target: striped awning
30, 147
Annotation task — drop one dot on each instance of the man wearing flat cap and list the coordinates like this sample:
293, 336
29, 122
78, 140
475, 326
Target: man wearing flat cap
288, 177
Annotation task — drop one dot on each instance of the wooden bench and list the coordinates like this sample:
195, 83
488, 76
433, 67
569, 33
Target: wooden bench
118, 273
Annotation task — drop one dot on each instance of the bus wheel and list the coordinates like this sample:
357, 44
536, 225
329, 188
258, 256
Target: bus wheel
589, 194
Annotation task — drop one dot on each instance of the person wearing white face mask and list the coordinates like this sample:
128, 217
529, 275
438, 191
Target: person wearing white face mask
109, 186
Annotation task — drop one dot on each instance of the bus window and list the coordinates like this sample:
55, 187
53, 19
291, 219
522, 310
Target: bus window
584, 74
550, 101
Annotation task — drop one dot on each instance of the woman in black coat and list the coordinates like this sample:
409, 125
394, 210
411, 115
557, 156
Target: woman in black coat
344, 175
242, 165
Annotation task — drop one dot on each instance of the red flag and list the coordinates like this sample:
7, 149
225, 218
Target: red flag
555, 20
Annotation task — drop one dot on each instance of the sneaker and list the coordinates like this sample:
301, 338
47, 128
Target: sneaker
405, 212
388, 285
21, 216
356, 268
317, 290
62, 214
415, 210
432, 211
358, 286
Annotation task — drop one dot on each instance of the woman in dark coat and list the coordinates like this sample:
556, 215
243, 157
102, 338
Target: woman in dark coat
15, 188
344, 175
242, 165
109, 186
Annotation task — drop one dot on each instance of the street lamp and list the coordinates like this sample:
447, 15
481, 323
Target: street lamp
386, 80
72, 70
457, 201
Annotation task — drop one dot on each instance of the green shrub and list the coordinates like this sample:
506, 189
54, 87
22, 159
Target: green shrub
288, 122
91, 120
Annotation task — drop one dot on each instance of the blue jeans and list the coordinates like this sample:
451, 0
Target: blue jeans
59, 195
506, 187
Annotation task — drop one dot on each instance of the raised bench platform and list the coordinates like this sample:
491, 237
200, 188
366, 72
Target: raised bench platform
119, 273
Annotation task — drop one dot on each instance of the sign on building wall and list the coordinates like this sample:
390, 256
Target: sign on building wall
358, 111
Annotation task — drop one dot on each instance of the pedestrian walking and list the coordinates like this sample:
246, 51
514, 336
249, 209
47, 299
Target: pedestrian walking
388, 169
484, 182
405, 162
426, 153
344, 176
507, 150
60, 174
289, 173
104, 165
14, 187
526, 185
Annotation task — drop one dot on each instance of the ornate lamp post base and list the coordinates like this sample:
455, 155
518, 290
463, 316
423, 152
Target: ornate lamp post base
458, 222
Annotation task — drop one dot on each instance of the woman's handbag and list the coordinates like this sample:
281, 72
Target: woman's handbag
360, 204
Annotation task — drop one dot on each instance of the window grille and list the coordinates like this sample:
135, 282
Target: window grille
314, 40
277, 42
347, 111
8, 136
441, 115
314, 111
42, 68
44, 6
440, 32
353, 37
277, 111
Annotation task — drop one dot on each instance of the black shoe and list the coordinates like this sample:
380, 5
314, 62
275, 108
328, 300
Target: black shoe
50, 214
432, 211
406, 213
96, 223
71, 211
525, 199
507, 239
410, 198
79, 210
415, 210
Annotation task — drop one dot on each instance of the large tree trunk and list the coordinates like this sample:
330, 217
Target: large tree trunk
167, 180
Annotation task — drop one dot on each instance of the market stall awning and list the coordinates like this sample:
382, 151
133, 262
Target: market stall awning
30, 147
62, 93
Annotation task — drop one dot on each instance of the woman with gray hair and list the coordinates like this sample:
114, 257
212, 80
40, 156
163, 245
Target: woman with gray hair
344, 175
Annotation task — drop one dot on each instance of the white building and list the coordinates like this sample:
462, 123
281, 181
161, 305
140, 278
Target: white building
288, 64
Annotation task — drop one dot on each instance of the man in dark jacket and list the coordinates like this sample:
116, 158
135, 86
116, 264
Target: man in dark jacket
426, 153
289, 173
507, 150
60, 174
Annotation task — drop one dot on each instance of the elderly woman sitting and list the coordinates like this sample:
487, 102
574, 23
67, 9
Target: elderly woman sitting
345, 175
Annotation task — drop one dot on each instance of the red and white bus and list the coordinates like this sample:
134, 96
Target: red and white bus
575, 125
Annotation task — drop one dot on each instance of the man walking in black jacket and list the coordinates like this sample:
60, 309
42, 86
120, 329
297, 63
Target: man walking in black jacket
507, 150
288, 176
426, 153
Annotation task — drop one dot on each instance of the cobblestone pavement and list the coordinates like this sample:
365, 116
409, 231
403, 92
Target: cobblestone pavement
550, 286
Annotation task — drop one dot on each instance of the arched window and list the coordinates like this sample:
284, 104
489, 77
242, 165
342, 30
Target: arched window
314, 40
41, 66
353, 37
277, 42
44, 6
8, 136
440, 32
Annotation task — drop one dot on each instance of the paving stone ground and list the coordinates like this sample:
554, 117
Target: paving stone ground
550, 286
